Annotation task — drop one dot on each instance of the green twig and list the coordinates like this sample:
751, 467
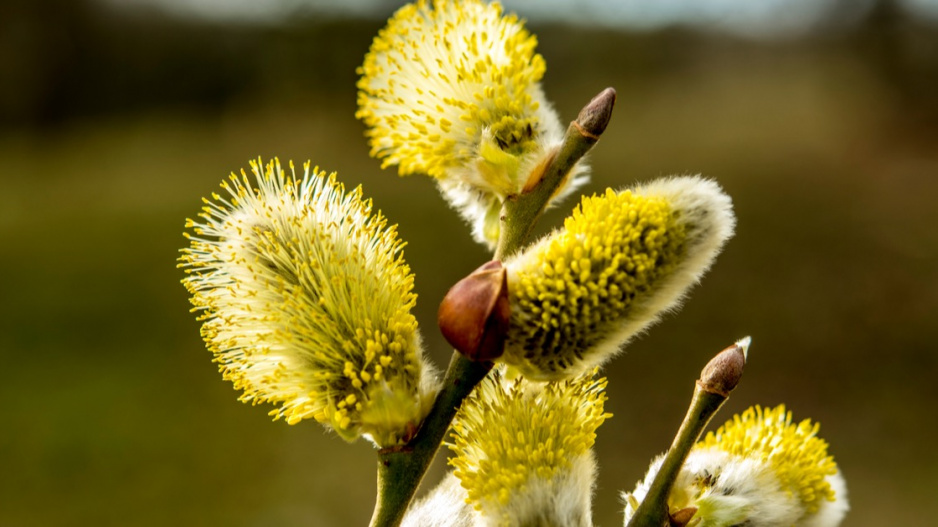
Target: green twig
401, 469
716, 382
653, 511
520, 213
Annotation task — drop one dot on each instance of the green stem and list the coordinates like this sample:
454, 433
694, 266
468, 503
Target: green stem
401, 469
520, 213
718, 378
653, 511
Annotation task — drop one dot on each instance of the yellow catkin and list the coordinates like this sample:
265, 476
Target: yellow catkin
570, 293
797, 456
441, 74
508, 433
306, 302
451, 89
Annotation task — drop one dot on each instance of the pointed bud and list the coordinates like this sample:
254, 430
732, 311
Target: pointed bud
474, 314
723, 372
595, 116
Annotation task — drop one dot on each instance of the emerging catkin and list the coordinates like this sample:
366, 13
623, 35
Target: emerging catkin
620, 261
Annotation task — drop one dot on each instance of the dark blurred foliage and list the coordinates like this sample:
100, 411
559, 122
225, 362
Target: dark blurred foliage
73, 59
68, 59
113, 123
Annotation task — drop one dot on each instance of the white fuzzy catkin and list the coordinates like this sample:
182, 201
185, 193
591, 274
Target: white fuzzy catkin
759, 470
444, 506
523, 450
621, 260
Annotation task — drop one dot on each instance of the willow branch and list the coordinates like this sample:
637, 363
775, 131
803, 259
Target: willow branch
716, 381
520, 213
401, 469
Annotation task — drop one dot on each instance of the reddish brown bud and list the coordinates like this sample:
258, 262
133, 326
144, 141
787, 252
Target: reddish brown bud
595, 116
682, 517
474, 314
723, 372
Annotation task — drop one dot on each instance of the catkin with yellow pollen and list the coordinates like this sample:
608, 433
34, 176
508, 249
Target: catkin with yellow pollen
306, 302
797, 456
451, 89
621, 259
523, 449
760, 469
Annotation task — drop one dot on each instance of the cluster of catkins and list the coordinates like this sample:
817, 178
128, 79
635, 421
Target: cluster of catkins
306, 299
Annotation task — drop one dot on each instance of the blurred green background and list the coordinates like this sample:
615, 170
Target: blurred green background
114, 122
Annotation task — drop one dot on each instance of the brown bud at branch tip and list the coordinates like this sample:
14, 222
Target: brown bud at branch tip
723, 372
475, 313
595, 116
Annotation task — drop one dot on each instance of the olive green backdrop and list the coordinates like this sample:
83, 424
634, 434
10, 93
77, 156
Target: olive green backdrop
112, 127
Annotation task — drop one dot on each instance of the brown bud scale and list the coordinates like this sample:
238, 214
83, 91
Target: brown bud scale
682, 517
595, 116
475, 313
